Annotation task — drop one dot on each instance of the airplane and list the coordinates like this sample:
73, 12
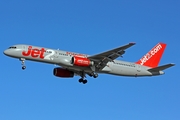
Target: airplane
71, 63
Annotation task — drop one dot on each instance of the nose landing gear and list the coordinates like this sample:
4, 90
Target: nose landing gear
23, 67
23, 63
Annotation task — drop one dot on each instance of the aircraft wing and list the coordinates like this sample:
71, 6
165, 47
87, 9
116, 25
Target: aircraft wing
103, 58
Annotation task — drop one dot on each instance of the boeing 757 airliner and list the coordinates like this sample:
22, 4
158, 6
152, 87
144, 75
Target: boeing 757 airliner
81, 64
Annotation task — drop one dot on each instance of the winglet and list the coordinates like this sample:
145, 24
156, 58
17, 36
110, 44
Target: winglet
153, 57
132, 43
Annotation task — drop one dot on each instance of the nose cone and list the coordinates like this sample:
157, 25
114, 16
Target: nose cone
7, 52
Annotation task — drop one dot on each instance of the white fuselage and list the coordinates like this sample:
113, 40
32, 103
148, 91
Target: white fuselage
63, 59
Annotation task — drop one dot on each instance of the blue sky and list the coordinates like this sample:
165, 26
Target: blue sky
89, 27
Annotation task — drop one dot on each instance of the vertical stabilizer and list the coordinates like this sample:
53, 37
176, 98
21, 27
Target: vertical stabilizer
153, 57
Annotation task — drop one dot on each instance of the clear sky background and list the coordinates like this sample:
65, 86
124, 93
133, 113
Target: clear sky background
89, 27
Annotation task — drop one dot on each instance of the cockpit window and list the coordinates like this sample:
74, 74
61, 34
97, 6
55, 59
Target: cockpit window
13, 47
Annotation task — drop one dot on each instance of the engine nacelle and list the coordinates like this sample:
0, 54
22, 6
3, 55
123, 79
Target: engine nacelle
81, 61
60, 72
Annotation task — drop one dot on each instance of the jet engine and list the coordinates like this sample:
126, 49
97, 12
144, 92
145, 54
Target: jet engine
81, 61
60, 72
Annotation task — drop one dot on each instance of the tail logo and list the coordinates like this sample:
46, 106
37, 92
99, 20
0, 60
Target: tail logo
150, 54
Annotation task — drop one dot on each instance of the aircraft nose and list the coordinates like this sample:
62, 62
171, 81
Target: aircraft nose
6, 52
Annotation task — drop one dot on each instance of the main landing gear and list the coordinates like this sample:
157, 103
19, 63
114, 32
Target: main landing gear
81, 80
95, 75
23, 63
84, 81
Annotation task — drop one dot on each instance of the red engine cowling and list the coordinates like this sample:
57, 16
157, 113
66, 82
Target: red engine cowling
60, 72
81, 61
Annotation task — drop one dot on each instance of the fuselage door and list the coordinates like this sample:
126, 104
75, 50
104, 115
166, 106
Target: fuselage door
138, 67
24, 47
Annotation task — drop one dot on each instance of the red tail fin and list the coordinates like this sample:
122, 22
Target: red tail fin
153, 57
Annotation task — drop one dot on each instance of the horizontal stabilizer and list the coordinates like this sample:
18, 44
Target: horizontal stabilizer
160, 68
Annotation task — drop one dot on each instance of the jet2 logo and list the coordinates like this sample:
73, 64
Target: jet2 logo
151, 54
34, 52
39, 53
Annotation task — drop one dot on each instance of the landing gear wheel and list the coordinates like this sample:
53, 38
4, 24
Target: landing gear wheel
23, 67
84, 81
80, 80
95, 75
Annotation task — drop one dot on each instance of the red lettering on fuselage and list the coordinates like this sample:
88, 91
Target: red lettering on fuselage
76, 54
34, 52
